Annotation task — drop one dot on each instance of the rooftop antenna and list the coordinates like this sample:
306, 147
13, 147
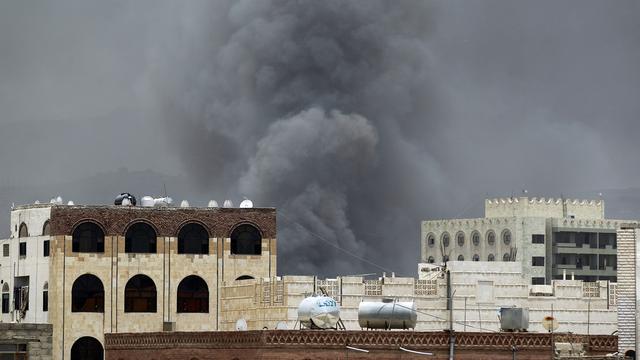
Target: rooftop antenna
564, 206
164, 185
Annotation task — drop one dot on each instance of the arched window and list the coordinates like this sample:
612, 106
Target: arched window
87, 348
475, 238
476, 257
491, 257
45, 296
431, 260
140, 238
24, 231
88, 237
460, 238
5, 298
445, 239
460, 258
245, 277
87, 294
246, 240
431, 240
193, 239
193, 295
140, 294
506, 237
491, 237
46, 229
506, 257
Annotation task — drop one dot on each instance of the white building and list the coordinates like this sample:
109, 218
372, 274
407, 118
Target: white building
24, 267
549, 237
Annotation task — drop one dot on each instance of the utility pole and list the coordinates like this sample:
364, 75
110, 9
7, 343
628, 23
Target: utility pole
452, 338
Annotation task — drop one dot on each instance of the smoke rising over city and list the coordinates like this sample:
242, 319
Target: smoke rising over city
355, 119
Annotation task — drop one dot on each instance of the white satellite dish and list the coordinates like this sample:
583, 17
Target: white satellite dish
213, 204
281, 325
227, 204
246, 203
241, 325
184, 204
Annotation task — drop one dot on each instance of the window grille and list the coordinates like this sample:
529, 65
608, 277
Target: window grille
278, 297
331, 286
590, 289
425, 287
613, 294
372, 288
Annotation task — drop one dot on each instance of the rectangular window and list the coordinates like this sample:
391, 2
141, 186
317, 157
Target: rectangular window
537, 261
537, 239
45, 300
23, 249
5, 303
537, 281
45, 249
5, 250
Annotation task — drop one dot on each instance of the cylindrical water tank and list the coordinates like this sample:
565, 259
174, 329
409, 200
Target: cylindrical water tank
387, 314
321, 312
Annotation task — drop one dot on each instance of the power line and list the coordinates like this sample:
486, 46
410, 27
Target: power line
319, 237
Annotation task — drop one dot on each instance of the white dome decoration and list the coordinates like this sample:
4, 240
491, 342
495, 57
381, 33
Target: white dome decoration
227, 204
59, 200
246, 203
70, 203
213, 204
147, 201
184, 204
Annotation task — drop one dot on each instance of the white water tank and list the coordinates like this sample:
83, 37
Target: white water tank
319, 312
213, 204
227, 204
163, 201
387, 314
147, 201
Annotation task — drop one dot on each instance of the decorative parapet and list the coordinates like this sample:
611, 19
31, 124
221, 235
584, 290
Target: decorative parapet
336, 339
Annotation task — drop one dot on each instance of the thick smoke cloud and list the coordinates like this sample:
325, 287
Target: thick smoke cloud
356, 119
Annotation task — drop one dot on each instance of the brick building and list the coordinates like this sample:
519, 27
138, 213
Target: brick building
91, 270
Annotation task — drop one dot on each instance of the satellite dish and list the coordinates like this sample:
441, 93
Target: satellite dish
281, 325
246, 203
550, 323
184, 204
213, 204
241, 325
227, 204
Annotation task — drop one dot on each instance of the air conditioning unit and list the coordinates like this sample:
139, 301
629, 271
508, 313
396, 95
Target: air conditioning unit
169, 326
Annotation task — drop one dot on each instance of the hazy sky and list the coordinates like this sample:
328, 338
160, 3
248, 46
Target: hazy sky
355, 119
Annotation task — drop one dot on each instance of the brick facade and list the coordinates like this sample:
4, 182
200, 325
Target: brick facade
288, 344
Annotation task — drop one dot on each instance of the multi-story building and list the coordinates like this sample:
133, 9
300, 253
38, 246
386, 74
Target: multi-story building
91, 270
552, 238
628, 289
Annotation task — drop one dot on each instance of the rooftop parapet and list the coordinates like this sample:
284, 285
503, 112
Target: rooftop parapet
544, 207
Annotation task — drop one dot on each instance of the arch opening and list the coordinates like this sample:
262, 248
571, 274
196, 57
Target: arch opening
193, 295
246, 240
87, 237
140, 238
24, 230
193, 239
140, 294
87, 348
87, 294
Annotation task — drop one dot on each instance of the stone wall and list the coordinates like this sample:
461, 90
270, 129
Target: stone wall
37, 337
627, 287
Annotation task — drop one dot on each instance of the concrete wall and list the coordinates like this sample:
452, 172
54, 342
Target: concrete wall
480, 289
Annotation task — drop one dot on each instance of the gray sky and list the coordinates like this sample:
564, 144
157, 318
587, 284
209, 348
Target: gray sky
356, 119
